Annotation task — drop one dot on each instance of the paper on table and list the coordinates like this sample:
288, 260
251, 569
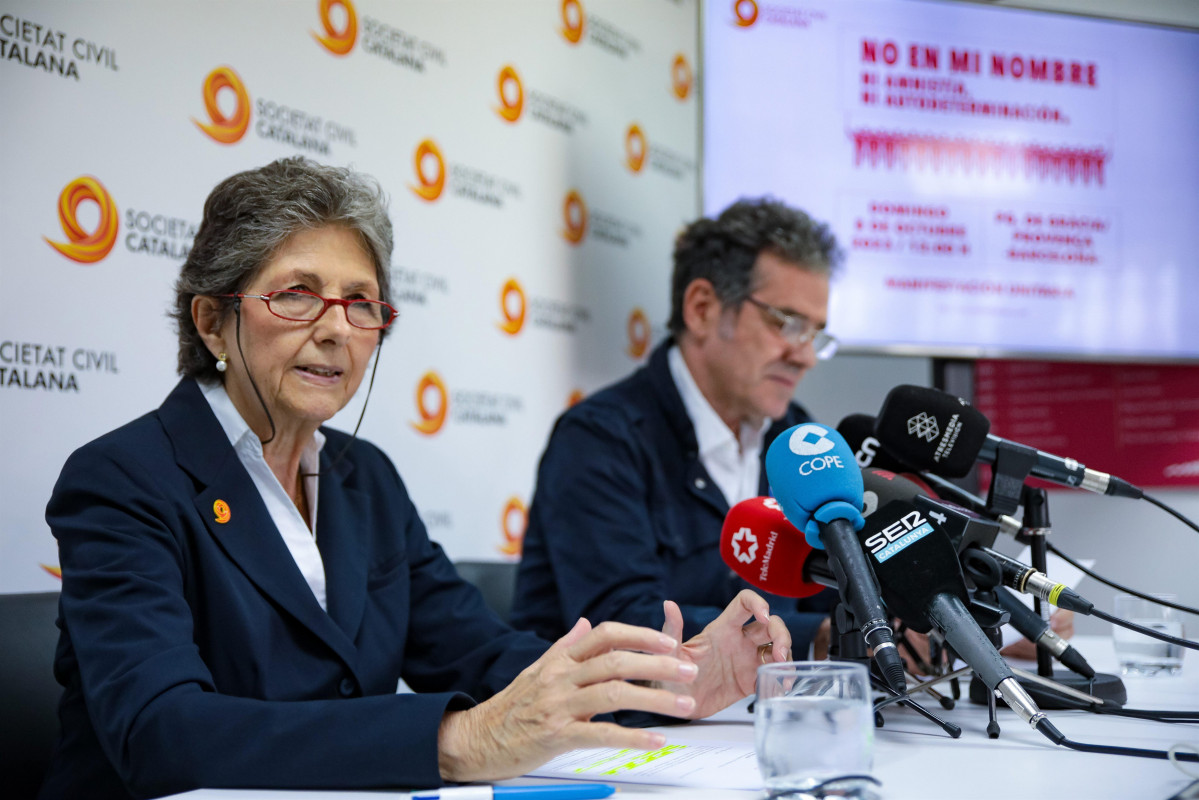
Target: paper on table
682, 762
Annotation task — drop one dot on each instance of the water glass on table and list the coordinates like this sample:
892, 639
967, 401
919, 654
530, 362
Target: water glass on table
814, 729
1140, 654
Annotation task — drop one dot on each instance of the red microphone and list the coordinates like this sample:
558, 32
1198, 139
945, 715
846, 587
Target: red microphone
761, 546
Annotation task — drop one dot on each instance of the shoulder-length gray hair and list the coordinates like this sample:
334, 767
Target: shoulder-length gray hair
250, 215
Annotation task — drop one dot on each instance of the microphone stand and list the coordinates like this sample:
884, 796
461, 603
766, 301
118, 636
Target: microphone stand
848, 644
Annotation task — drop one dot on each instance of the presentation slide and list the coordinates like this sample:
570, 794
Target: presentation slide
1002, 182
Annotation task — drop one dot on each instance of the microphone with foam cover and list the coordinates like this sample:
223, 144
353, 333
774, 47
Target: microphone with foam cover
868, 451
763, 547
935, 431
818, 485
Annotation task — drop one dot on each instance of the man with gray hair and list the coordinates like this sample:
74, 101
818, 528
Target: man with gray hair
636, 480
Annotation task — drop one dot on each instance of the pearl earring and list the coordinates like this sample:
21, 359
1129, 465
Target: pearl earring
222, 362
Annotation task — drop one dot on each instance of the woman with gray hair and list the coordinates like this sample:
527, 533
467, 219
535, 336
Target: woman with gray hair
243, 588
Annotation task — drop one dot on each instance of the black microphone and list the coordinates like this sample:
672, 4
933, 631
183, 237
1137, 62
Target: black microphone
1037, 630
971, 535
868, 451
932, 430
922, 583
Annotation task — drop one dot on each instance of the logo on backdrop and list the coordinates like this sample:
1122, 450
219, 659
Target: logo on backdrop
432, 414
33, 365
810, 440
578, 221
681, 77
226, 129
542, 312
415, 286
574, 398
434, 175
639, 333
337, 42
634, 148
513, 521
638, 152
574, 217
512, 307
573, 20
41, 47
552, 111
276, 121
512, 94
599, 32
746, 12
430, 171
55, 571
82, 246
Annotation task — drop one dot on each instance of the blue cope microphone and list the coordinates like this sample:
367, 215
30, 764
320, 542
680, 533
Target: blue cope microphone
818, 484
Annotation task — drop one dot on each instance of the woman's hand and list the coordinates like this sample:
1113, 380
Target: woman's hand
727, 652
548, 708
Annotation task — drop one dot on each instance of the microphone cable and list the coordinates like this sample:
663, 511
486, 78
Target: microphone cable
1141, 629
1172, 512
1118, 587
1057, 737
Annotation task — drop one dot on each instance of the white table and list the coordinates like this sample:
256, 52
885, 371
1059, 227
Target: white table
915, 760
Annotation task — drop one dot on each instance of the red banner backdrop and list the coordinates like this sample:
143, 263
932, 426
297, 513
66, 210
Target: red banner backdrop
1140, 422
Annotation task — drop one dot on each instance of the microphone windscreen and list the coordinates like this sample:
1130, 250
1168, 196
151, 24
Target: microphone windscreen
931, 430
858, 432
815, 478
881, 486
760, 545
913, 560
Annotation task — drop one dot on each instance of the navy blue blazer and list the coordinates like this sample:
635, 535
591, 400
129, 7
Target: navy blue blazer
625, 516
193, 653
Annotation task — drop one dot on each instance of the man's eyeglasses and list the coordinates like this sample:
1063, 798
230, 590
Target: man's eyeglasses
798, 330
300, 306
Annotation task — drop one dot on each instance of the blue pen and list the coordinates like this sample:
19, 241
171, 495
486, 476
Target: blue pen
545, 791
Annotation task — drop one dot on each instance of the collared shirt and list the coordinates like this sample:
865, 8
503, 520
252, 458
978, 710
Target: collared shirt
300, 540
732, 462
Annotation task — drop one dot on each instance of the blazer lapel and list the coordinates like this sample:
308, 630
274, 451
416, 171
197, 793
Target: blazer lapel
237, 518
342, 529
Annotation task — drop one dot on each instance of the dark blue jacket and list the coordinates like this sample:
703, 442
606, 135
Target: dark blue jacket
195, 655
625, 516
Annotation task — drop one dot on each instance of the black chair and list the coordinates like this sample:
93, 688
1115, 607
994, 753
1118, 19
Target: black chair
28, 692
495, 579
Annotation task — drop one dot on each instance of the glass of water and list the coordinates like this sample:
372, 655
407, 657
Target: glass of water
1139, 654
814, 729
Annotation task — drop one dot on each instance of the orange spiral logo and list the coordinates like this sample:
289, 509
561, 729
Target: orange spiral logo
339, 43
510, 109
572, 21
574, 216
55, 571
513, 521
431, 420
84, 247
639, 333
221, 509
681, 76
429, 188
513, 322
225, 130
634, 148
745, 17
576, 397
